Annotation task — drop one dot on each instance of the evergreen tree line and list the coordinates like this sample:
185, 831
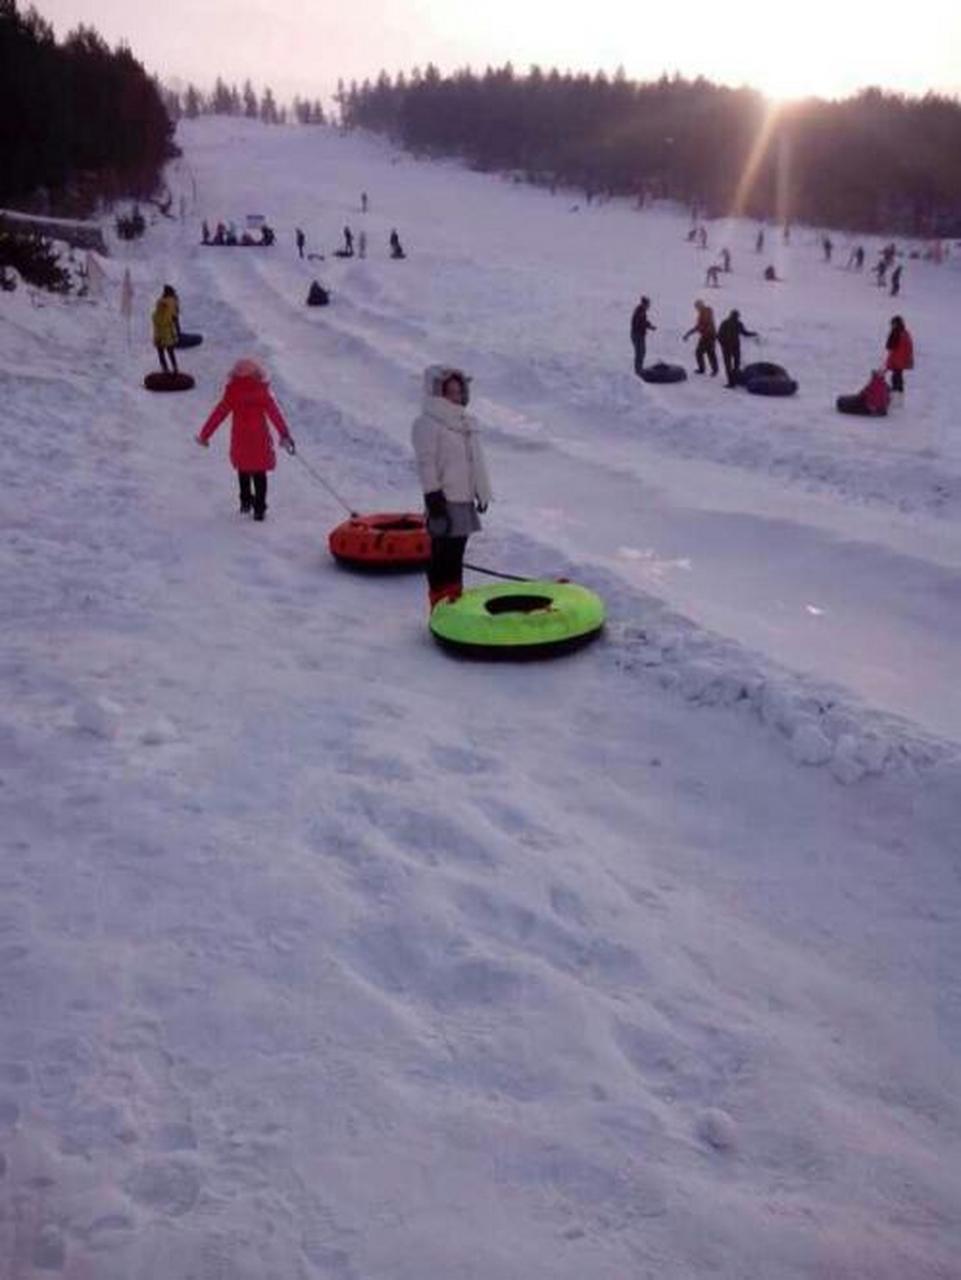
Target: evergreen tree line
78, 121
228, 100
876, 161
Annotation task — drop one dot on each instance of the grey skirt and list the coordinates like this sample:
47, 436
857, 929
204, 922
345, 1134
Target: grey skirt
464, 521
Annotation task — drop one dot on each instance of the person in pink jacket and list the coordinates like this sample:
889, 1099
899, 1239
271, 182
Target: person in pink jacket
247, 396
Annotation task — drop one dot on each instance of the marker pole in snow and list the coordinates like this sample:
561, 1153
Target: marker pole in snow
320, 480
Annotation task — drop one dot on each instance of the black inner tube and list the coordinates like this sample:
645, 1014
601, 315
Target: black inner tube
518, 604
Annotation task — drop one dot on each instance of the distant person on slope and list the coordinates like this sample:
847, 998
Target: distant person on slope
729, 334
896, 280
707, 337
640, 327
166, 327
301, 242
453, 476
247, 397
900, 349
396, 248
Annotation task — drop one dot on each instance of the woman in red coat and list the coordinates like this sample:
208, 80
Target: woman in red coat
247, 396
900, 351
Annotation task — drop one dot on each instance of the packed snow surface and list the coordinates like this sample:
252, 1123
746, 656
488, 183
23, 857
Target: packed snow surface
327, 957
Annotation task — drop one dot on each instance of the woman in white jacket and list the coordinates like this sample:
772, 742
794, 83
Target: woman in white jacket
453, 475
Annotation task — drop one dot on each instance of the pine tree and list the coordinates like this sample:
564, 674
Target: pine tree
268, 108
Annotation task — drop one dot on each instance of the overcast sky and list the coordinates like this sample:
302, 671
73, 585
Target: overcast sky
303, 46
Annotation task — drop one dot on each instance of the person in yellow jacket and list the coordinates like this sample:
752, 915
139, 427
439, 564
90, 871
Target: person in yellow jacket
166, 327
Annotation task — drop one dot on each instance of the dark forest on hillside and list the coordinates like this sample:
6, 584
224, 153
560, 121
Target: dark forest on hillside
78, 122
874, 162
227, 100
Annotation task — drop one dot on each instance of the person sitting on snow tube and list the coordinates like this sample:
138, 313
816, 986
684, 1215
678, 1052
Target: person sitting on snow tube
871, 401
317, 295
453, 475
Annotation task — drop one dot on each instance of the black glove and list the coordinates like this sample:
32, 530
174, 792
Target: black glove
438, 517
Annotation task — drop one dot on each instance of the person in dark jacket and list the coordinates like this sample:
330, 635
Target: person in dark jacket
396, 248
900, 349
301, 242
729, 335
706, 332
640, 327
896, 280
348, 249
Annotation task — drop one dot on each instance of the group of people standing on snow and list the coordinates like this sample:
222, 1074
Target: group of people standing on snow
352, 246
727, 335
225, 233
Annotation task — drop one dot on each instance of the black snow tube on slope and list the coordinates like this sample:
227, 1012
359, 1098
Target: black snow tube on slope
189, 340
168, 381
855, 404
779, 385
662, 373
761, 369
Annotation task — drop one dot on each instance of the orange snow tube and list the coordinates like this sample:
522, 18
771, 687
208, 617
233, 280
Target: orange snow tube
383, 543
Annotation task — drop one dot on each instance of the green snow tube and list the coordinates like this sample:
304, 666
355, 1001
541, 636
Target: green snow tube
518, 620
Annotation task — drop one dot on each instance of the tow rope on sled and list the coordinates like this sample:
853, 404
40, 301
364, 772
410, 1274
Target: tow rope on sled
329, 487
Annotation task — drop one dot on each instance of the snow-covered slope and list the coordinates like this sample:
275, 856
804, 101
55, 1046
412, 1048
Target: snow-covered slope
325, 956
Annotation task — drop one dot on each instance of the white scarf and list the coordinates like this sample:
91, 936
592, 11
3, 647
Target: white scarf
456, 418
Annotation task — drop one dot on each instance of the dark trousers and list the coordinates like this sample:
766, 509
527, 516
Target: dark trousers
705, 347
732, 364
253, 491
166, 353
640, 354
446, 566
897, 379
